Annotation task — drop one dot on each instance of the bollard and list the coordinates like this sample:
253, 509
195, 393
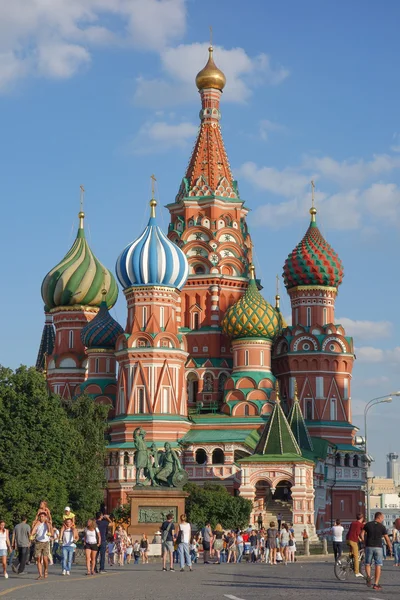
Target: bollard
324, 545
307, 547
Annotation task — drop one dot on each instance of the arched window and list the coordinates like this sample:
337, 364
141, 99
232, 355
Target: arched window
71, 339
96, 365
201, 456
144, 317
246, 358
309, 410
208, 383
333, 409
246, 410
199, 270
140, 400
308, 316
218, 457
221, 382
347, 460
126, 458
196, 320
162, 311
355, 461
165, 401
338, 459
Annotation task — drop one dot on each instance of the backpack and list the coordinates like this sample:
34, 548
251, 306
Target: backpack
166, 532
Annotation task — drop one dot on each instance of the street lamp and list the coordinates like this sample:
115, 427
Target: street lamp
370, 404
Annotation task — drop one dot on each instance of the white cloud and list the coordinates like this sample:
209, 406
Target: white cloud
372, 381
352, 172
266, 127
366, 329
287, 182
160, 136
369, 354
383, 200
52, 38
181, 64
61, 60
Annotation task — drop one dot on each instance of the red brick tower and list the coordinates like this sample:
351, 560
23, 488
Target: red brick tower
208, 222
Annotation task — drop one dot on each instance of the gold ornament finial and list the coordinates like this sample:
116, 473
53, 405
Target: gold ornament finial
81, 214
313, 210
210, 76
277, 296
252, 271
296, 397
277, 392
153, 201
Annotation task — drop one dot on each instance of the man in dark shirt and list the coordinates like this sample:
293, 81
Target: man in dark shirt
353, 537
167, 538
102, 522
373, 533
254, 546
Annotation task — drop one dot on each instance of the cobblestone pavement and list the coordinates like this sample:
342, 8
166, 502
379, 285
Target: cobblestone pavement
300, 581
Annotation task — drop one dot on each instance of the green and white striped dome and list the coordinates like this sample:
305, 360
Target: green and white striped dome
78, 279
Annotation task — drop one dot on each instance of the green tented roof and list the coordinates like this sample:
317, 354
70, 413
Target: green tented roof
349, 448
299, 427
269, 458
249, 437
277, 438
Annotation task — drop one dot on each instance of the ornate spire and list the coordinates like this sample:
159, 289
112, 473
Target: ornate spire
277, 438
46, 343
298, 424
313, 210
153, 201
209, 172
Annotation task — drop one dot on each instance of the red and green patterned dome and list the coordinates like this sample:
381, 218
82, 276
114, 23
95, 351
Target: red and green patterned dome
313, 261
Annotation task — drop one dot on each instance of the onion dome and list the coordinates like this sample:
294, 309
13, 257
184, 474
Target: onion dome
103, 330
251, 316
79, 278
210, 76
152, 259
313, 261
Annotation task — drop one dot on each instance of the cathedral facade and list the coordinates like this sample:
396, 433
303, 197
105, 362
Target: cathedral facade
204, 361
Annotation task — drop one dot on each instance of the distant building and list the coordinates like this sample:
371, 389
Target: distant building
393, 467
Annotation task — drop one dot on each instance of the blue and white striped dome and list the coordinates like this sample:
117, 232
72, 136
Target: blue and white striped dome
152, 259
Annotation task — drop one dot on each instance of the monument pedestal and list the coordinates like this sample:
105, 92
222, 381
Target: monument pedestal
150, 507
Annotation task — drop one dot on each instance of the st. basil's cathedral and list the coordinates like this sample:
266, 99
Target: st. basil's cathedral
204, 361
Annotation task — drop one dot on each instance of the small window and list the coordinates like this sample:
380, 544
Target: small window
342, 505
347, 460
195, 348
165, 401
126, 458
308, 316
246, 358
196, 320
144, 317
121, 401
201, 457
325, 316
296, 316
223, 349
262, 358
162, 310
333, 409
355, 461
338, 460
96, 365
71, 339
140, 400
309, 410
108, 370
205, 348
246, 410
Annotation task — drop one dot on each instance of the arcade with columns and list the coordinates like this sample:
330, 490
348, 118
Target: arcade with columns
204, 360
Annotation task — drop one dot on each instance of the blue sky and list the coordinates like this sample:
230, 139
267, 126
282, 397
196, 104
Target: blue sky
101, 92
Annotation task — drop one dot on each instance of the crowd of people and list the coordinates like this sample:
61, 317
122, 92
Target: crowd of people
42, 542
272, 546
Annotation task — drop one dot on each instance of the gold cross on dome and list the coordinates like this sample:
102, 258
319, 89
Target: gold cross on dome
82, 196
312, 193
210, 35
277, 285
153, 181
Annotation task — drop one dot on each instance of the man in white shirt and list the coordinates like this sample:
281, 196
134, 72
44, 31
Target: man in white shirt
42, 532
337, 540
184, 535
396, 545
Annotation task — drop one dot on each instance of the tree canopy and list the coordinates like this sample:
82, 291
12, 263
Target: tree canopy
213, 503
49, 449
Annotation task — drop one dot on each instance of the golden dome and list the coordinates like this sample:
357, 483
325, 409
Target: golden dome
210, 76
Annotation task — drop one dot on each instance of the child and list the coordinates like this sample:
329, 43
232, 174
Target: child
194, 549
111, 551
136, 552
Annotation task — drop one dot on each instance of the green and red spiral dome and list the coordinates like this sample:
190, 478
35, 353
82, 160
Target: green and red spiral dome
313, 261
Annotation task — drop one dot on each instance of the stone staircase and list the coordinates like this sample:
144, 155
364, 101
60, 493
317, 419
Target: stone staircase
277, 506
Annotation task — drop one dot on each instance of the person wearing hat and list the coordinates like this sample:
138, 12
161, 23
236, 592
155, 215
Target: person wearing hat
68, 514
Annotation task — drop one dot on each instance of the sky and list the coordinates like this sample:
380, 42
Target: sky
102, 93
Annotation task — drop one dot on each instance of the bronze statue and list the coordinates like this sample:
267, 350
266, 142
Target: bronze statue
159, 468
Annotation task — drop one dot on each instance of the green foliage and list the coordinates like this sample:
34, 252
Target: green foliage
122, 514
212, 502
48, 450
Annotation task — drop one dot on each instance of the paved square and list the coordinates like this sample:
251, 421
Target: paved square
301, 581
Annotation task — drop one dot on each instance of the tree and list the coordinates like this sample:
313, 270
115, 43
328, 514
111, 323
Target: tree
88, 421
212, 502
48, 449
35, 445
